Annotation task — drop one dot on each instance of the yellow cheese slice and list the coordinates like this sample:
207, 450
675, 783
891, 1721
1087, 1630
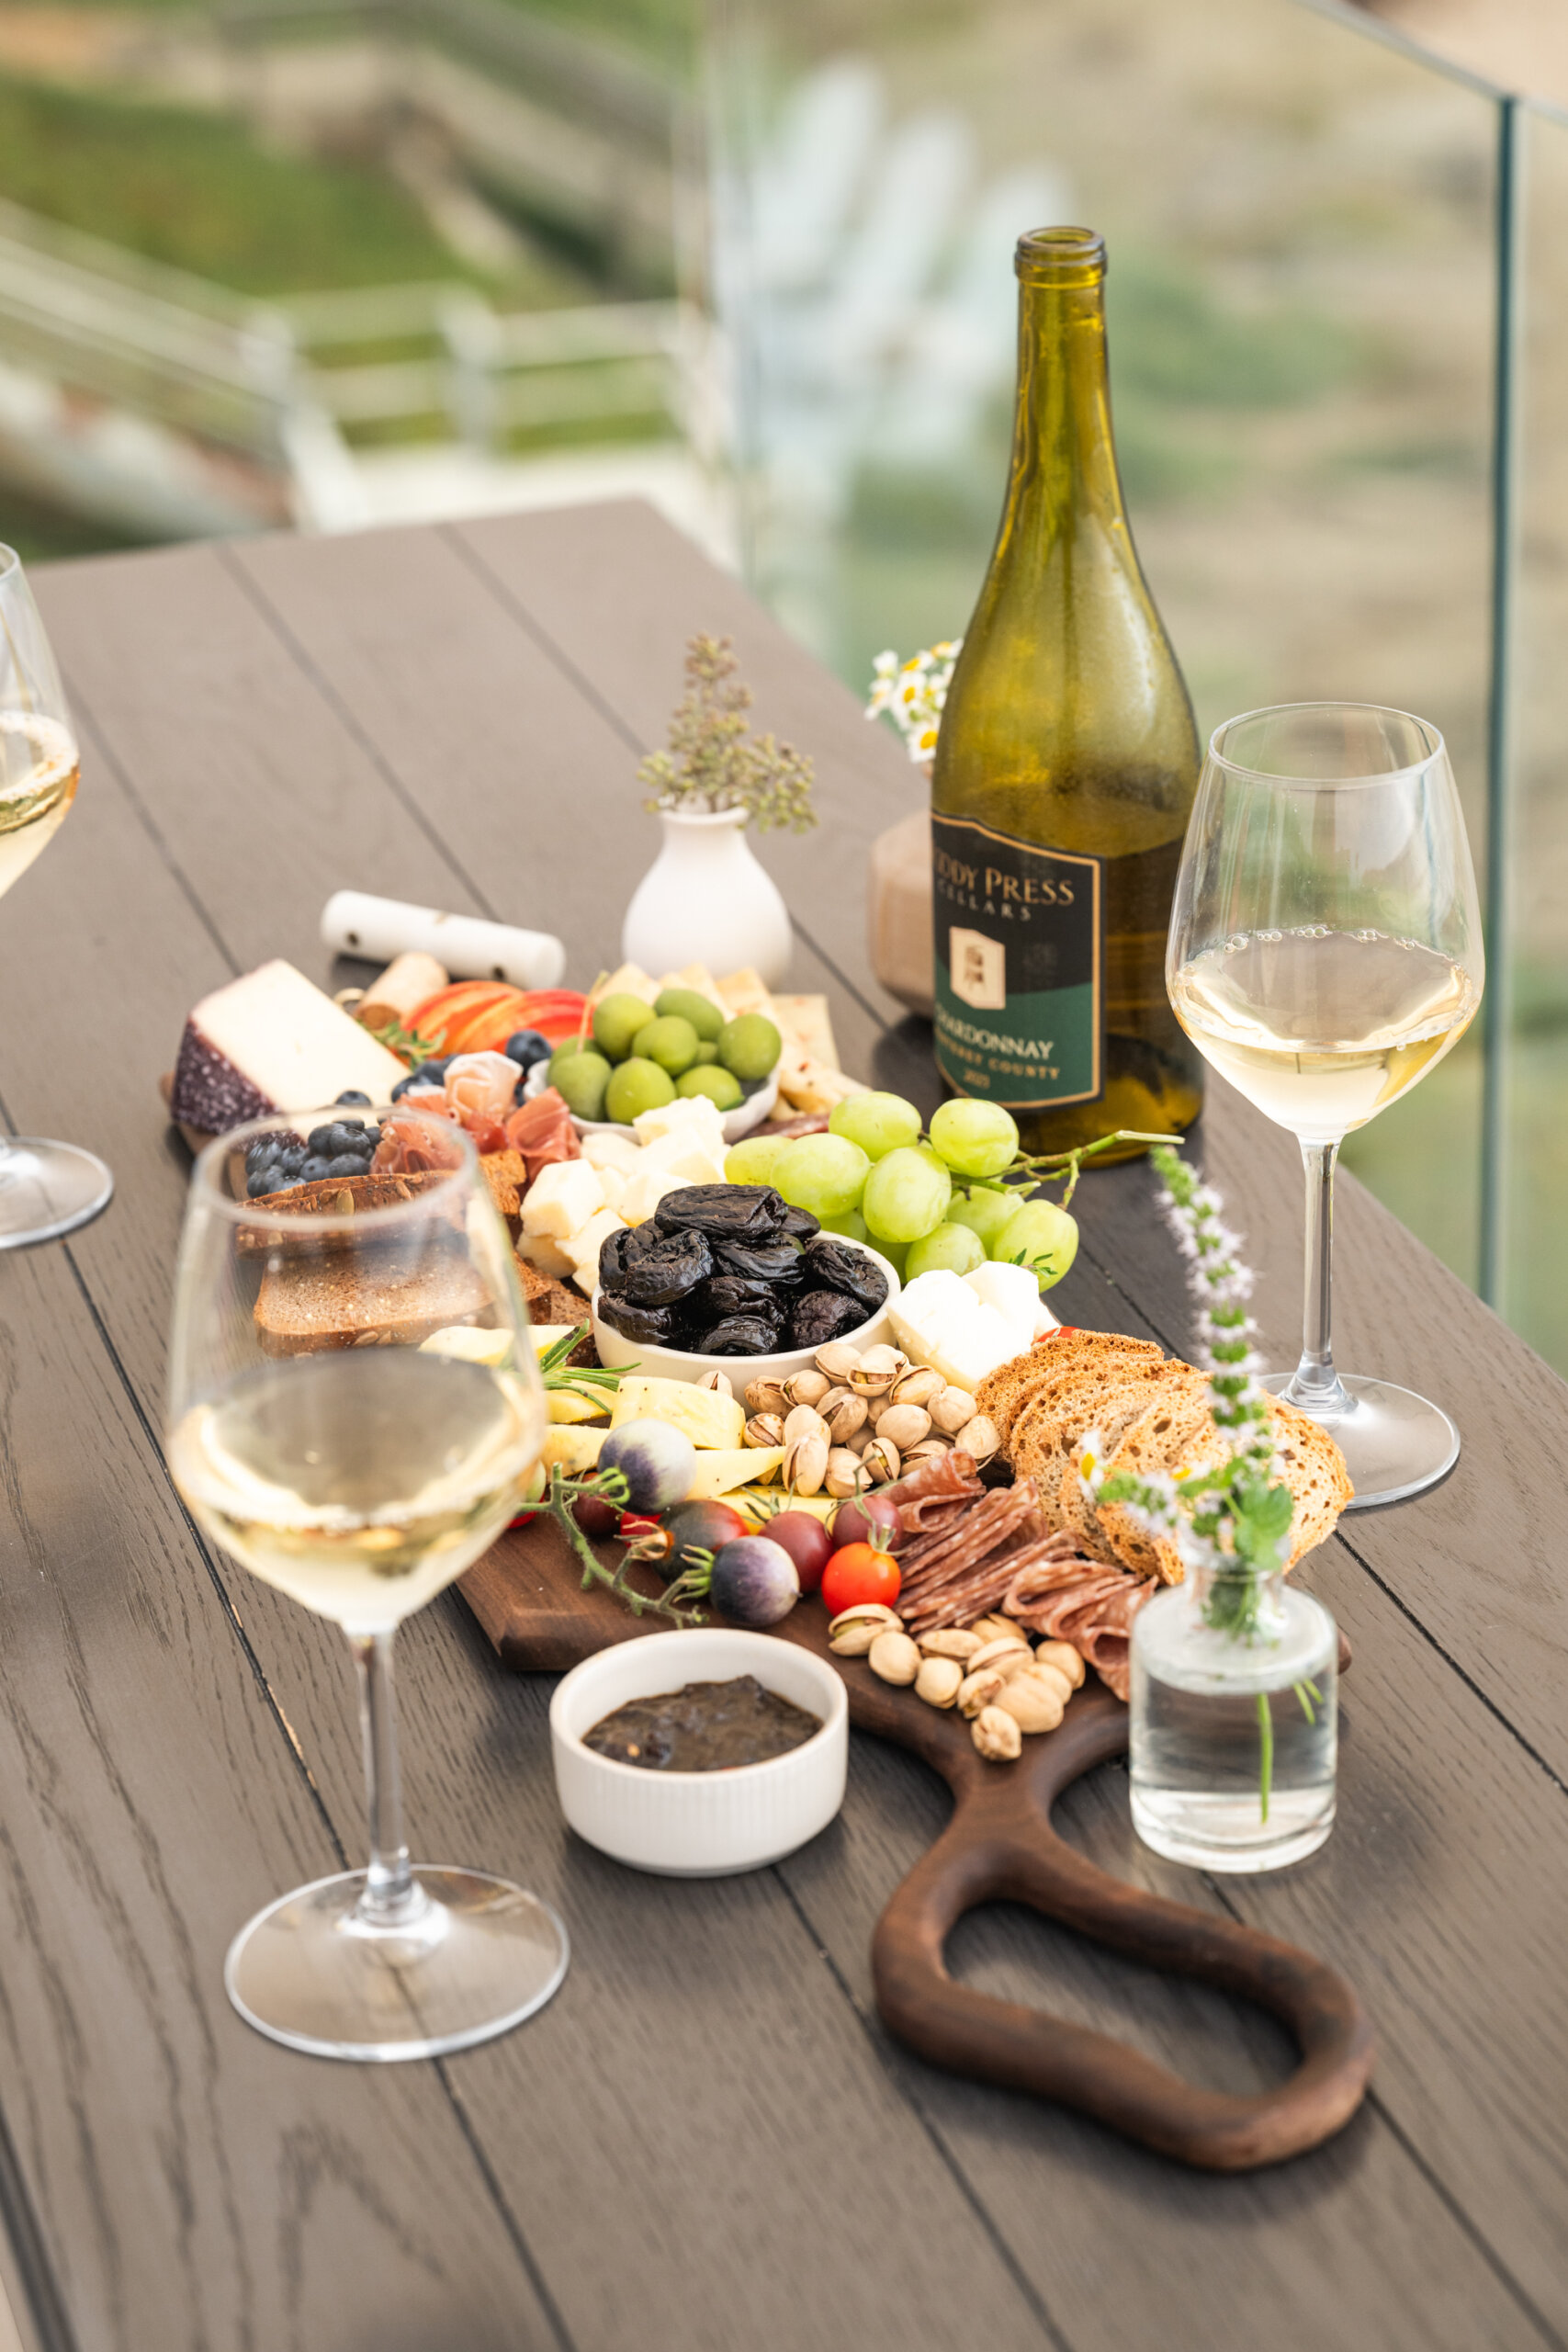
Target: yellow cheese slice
758, 1504
575, 1450
564, 1407
719, 1474
706, 1416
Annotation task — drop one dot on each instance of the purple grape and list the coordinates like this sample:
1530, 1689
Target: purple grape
754, 1581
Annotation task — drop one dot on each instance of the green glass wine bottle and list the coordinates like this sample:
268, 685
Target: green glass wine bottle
1066, 767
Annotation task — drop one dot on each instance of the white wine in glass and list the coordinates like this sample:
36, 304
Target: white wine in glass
46, 1189
354, 1408
1324, 954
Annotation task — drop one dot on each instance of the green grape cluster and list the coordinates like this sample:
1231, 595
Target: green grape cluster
925, 1200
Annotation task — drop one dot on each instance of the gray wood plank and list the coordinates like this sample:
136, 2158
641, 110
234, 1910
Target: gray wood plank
192, 2186
704, 2044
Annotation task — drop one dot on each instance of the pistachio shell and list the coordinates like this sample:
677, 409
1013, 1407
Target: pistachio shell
905, 1425
836, 1359
880, 1458
951, 1410
1064, 1659
992, 1653
937, 1681
977, 1690
719, 1382
847, 1474
803, 1420
894, 1657
877, 1369
948, 1642
997, 1735
916, 1386
806, 1464
979, 1438
766, 1397
806, 1387
1034, 1701
764, 1428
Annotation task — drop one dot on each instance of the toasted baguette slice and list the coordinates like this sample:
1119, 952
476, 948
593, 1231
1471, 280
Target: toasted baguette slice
308, 1304
1315, 1473
1176, 1435
504, 1172
1053, 1421
1120, 1411
549, 1300
1003, 1394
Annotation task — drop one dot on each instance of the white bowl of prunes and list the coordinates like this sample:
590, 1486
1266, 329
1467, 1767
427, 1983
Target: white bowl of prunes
722, 1272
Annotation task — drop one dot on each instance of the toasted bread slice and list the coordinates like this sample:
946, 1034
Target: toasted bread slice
1120, 1411
1003, 1394
311, 1302
549, 1300
504, 1171
1055, 1416
1174, 1435
1315, 1473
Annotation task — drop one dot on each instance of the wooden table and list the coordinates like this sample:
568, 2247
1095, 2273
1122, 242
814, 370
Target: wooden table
706, 2140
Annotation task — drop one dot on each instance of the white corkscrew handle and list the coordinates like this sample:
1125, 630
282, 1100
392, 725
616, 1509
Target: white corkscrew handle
354, 923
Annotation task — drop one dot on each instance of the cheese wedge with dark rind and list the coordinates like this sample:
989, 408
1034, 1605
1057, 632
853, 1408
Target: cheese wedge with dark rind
271, 1041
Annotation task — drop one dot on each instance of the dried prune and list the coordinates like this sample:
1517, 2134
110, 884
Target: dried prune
762, 1261
828, 1264
649, 1327
726, 1295
741, 1335
800, 1224
614, 1257
818, 1315
724, 1211
671, 1270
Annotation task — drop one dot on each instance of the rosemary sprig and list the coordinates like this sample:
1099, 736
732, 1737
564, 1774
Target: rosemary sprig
595, 1383
609, 1486
407, 1043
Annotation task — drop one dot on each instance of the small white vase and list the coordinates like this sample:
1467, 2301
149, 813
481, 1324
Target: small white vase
705, 899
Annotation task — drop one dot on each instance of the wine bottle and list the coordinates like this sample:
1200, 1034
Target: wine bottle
1066, 767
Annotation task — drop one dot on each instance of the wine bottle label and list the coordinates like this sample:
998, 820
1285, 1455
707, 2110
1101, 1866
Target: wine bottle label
1019, 982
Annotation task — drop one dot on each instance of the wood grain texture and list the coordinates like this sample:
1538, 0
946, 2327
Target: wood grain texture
727, 2035
528, 1595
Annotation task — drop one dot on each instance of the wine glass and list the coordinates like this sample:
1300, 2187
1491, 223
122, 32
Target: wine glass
1324, 954
354, 1406
46, 1189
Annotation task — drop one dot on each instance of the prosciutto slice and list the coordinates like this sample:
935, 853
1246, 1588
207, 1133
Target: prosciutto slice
542, 1131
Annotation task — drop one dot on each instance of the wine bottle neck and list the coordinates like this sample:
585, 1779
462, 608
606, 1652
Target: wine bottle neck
1064, 461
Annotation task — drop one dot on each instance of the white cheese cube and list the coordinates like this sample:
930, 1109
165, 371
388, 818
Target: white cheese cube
939, 1321
561, 1199
645, 1190
584, 1245
612, 1182
696, 1116
611, 1151
547, 1255
1014, 1291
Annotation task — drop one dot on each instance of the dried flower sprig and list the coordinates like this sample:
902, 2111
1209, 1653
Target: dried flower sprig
1233, 1519
913, 693
715, 761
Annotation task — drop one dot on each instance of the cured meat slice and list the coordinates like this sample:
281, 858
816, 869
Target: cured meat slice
543, 1132
964, 1541
917, 1497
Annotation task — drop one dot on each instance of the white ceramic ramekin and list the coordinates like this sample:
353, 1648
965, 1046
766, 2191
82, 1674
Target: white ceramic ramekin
699, 1825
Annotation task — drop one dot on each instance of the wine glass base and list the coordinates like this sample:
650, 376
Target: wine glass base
48, 1189
1395, 1443
484, 1956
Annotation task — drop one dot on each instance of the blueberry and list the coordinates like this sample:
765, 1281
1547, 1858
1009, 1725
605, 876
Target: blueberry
346, 1163
258, 1183
433, 1073
403, 1084
525, 1046
320, 1140
372, 1136
351, 1094
292, 1159
316, 1166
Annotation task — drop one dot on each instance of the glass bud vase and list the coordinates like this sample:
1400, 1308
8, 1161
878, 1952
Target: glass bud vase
1234, 1722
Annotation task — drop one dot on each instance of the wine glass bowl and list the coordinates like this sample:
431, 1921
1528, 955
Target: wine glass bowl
46, 1189
1326, 953
355, 1407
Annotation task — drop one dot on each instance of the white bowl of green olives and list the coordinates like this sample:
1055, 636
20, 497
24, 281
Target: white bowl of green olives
639, 1057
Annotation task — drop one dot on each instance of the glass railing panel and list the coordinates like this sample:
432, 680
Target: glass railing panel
1300, 227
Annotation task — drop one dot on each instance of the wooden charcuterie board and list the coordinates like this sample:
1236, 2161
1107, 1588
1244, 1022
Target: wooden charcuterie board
999, 1846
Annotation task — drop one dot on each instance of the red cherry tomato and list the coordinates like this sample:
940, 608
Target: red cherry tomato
860, 1573
807, 1541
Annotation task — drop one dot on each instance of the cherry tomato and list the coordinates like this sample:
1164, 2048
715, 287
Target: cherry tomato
637, 1527
595, 1516
860, 1573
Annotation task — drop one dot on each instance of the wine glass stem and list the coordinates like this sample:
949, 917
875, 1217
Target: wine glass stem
392, 1898
1316, 1387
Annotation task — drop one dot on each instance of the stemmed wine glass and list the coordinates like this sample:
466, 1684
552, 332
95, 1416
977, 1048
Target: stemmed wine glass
46, 1189
1324, 954
354, 1406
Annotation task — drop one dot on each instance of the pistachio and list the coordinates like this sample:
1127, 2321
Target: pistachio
937, 1681
836, 1359
931, 1449
1034, 1701
894, 1657
992, 1653
977, 1690
847, 1473
719, 1382
996, 1628
916, 1386
865, 1435
997, 1736
979, 1438
880, 1458
803, 1420
1064, 1659
844, 1413
1051, 1675
806, 1387
806, 1464
853, 1631
764, 1428
766, 1397
877, 1369
948, 1642
951, 1410
904, 1426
